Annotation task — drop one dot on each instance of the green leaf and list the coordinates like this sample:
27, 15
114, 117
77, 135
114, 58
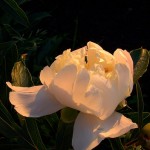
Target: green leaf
141, 60
52, 121
5, 114
116, 144
11, 7
134, 116
35, 17
68, 115
34, 133
6, 129
20, 2
11, 31
6, 45
64, 135
50, 46
140, 105
9, 128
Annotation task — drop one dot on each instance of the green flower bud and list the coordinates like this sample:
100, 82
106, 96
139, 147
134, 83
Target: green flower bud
146, 131
68, 115
21, 75
146, 136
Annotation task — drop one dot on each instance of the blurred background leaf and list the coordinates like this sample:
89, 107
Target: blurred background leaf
11, 7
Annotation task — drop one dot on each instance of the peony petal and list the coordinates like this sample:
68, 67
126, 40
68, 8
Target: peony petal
80, 85
89, 130
46, 75
23, 89
112, 92
129, 60
62, 85
116, 125
122, 56
100, 96
92, 45
124, 82
34, 104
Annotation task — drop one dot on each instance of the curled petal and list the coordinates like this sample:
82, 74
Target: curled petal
89, 130
122, 56
124, 82
116, 125
23, 89
34, 103
46, 75
92, 45
129, 60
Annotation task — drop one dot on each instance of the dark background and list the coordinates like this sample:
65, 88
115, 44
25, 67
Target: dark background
111, 23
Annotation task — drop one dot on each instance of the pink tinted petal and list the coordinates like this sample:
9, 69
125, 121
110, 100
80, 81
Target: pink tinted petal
79, 89
80, 85
85, 134
62, 85
46, 75
100, 96
116, 125
23, 89
125, 84
122, 56
34, 104
129, 60
89, 130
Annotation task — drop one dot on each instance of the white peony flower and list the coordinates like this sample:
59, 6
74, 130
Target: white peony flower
90, 80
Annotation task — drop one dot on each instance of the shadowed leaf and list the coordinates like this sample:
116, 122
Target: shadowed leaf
11, 7
34, 133
140, 106
141, 60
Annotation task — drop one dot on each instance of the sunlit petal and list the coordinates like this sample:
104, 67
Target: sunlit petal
79, 89
116, 125
63, 84
36, 103
23, 89
46, 75
89, 130
122, 56
124, 82
100, 96
92, 45
129, 60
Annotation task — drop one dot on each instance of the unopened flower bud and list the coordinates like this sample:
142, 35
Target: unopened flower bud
21, 75
146, 136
